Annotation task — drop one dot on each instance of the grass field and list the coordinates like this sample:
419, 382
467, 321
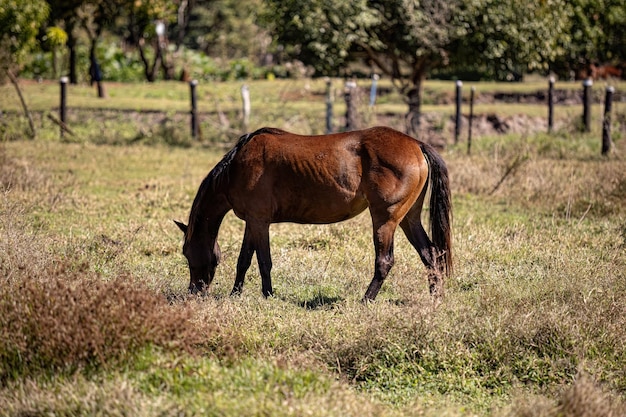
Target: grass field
95, 318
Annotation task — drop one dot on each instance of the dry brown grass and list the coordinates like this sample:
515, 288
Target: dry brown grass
64, 319
536, 300
583, 398
57, 314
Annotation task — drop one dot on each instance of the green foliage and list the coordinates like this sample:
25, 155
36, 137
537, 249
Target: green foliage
19, 24
514, 37
227, 29
55, 36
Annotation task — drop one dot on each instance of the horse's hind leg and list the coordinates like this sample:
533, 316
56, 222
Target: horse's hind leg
383, 245
264, 259
414, 231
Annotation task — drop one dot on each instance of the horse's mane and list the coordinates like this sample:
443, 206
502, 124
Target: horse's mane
219, 174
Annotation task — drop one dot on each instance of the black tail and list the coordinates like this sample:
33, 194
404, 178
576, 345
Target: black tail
440, 207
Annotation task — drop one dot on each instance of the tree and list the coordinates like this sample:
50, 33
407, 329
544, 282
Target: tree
227, 29
598, 35
96, 16
511, 38
406, 39
19, 24
65, 12
147, 20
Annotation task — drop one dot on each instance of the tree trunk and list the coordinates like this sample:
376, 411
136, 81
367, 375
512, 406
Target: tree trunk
150, 71
413, 116
13, 79
71, 45
414, 100
184, 12
95, 73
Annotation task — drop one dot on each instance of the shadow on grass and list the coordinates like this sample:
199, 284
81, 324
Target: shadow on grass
321, 301
176, 297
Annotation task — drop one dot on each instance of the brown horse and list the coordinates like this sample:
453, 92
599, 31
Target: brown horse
273, 176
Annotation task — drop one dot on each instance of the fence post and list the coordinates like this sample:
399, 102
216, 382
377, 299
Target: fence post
550, 104
606, 122
349, 97
587, 100
471, 118
459, 98
375, 79
329, 106
194, 108
63, 109
245, 95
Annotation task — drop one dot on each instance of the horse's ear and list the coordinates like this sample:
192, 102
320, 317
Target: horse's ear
181, 226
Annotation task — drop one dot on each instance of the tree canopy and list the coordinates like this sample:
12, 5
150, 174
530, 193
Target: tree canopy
20, 21
406, 39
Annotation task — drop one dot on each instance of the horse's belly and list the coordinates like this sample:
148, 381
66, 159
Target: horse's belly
319, 209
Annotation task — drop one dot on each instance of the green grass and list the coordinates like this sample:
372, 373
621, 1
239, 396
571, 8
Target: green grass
95, 319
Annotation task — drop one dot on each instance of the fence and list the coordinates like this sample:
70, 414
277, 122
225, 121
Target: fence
586, 112
351, 98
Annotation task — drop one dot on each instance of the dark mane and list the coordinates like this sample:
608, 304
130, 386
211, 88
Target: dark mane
219, 174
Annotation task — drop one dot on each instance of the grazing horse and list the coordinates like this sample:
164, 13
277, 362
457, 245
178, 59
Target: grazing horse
273, 176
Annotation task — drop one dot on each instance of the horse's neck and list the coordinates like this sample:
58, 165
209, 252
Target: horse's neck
210, 213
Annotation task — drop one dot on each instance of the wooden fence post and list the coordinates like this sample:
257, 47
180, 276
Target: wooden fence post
329, 106
606, 122
459, 99
194, 108
587, 100
550, 104
375, 79
63, 104
351, 112
245, 95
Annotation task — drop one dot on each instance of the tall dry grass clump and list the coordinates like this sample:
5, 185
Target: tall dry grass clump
72, 320
57, 314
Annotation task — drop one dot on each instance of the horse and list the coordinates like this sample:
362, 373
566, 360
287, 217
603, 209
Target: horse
273, 176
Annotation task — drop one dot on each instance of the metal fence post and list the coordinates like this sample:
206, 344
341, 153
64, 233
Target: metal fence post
63, 109
550, 104
194, 108
471, 117
459, 99
587, 100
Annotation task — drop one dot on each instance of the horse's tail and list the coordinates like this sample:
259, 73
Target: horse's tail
440, 208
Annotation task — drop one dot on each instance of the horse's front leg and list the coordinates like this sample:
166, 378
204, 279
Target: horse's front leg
243, 262
256, 238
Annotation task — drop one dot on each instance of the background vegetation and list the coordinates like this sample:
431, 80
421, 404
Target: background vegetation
406, 41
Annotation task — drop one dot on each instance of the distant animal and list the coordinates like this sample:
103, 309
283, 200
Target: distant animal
604, 72
273, 176
599, 72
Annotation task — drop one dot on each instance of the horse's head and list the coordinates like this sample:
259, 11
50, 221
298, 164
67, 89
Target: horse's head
203, 255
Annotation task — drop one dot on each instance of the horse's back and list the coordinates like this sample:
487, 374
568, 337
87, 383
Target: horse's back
322, 179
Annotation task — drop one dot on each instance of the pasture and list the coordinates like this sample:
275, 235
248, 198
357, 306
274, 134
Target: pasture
95, 318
